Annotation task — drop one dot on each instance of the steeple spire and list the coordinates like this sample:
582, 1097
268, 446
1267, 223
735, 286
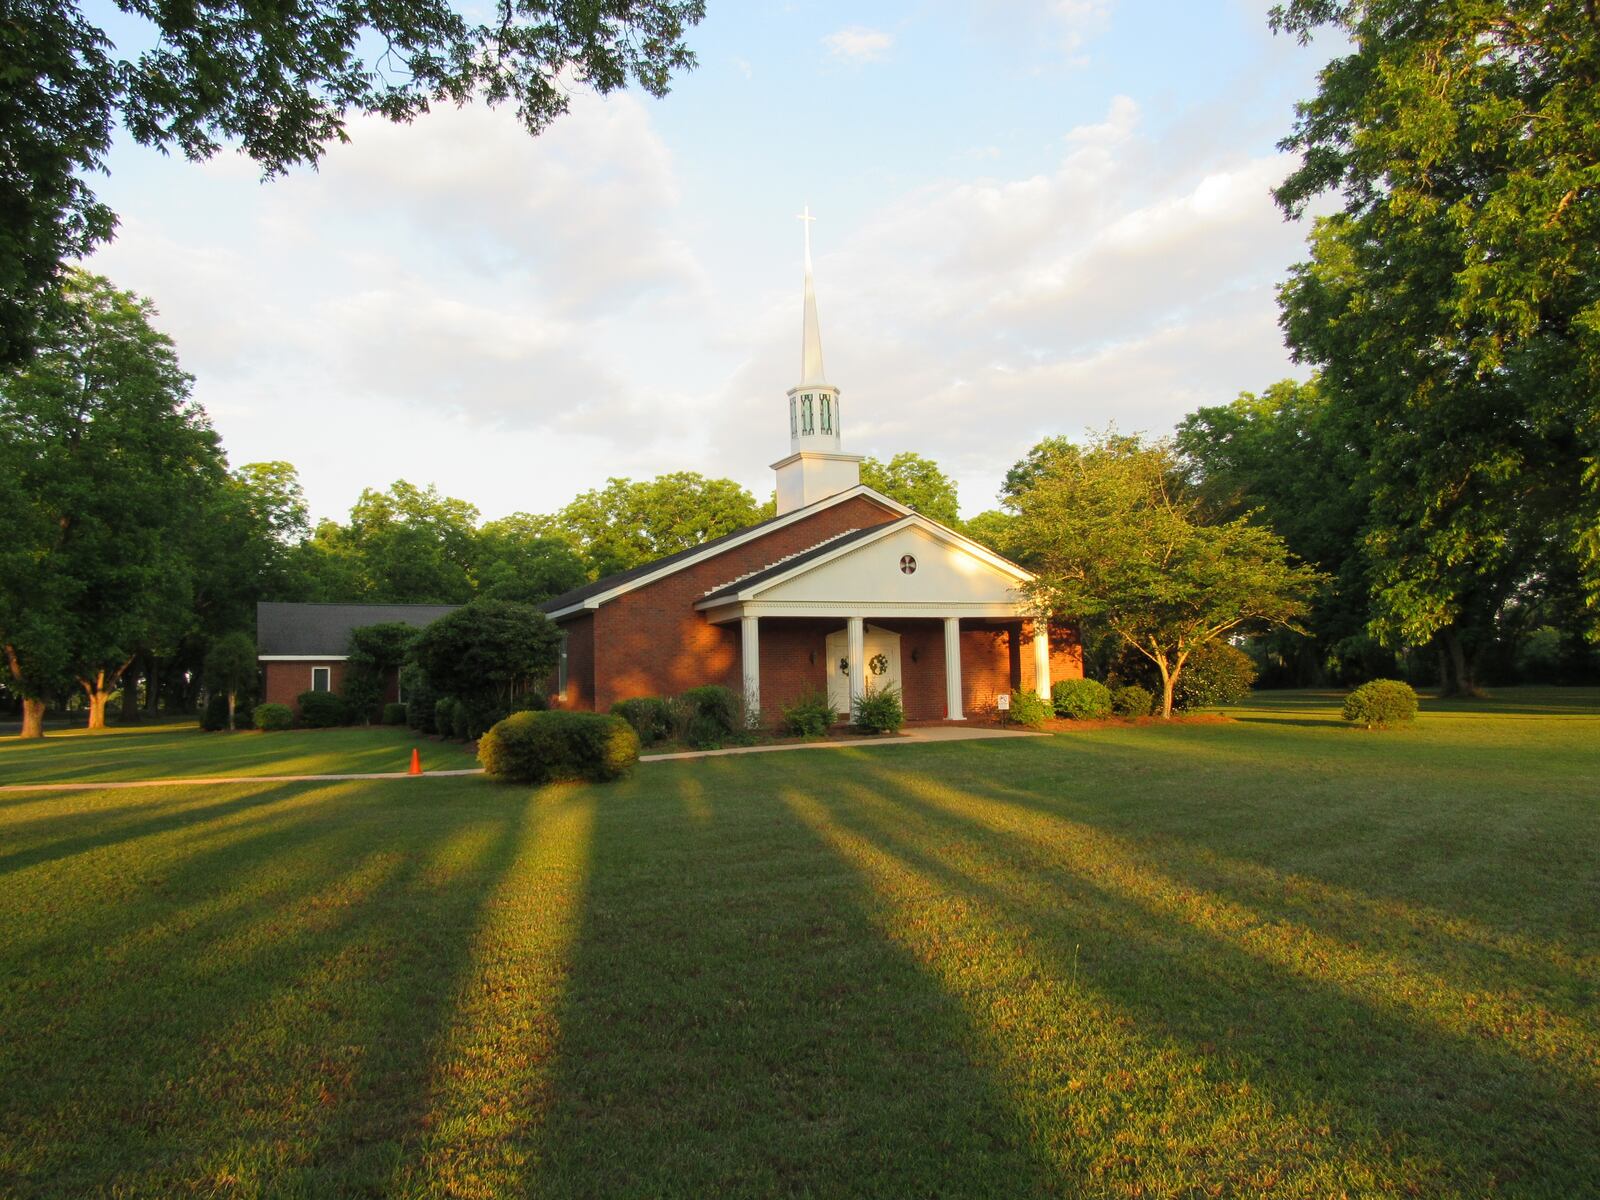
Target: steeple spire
811, 373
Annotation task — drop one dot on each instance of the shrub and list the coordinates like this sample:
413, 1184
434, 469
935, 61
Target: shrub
460, 721
394, 714
1028, 709
1132, 701
1081, 699
421, 699
1214, 674
539, 747
444, 709
879, 711
650, 716
273, 718
716, 703
810, 715
705, 732
1381, 703
319, 710
215, 714
531, 702
244, 713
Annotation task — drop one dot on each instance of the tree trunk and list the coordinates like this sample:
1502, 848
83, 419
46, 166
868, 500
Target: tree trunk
99, 690
130, 696
232, 700
32, 717
1168, 682
152, 684
1459, 682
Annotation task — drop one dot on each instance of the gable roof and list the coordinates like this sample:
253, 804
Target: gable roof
592, 595
749, 586
323, 630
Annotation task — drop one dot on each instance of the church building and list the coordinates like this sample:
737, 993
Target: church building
843, 590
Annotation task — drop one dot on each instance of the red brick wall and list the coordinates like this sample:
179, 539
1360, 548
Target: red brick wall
652, 641
580, 663
990, 664
286, 680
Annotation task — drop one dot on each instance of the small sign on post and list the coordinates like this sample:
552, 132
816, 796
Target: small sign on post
1002, 705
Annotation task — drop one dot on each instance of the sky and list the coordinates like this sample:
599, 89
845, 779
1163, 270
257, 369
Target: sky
1032, 219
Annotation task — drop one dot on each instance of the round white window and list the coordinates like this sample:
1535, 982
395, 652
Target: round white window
908, 565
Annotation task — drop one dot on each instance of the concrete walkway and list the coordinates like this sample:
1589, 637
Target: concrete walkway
927, 733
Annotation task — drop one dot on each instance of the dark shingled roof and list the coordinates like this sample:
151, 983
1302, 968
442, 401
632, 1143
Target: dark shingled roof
794, 560
324, 629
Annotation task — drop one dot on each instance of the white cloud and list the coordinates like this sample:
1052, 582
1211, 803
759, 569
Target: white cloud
858, 44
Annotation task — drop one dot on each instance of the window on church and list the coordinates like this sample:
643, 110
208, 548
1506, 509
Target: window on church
827, 414
321, 679
561, 668
807, 418
793, 427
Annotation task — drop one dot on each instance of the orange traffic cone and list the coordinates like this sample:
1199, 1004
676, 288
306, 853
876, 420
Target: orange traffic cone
416, 762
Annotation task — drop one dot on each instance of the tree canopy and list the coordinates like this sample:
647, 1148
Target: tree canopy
110, 462
281, 81
1452, 304
627, 523
1117, 537
916, 482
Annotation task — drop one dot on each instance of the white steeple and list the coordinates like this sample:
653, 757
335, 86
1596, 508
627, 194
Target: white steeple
811, 336
816, 466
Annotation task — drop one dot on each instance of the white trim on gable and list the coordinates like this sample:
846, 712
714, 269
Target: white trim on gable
938, 532
593, 602
302, 657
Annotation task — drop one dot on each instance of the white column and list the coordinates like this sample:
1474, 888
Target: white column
858, 667
750, 660
952, 669
1041, 657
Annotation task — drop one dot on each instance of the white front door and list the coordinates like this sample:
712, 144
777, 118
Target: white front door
882, 666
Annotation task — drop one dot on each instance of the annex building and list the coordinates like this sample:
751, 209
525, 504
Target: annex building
842, 590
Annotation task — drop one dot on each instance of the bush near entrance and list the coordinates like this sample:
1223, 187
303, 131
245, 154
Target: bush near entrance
1380, 704
543, 747
1081, 699
810, 716
1027, 708
880, 712
650, 716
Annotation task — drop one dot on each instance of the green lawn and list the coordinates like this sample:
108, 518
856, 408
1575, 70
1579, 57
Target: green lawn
1270, 957
181, 751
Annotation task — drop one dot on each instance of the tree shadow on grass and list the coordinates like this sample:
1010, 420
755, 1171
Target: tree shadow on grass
1365, 1091
257, 1011
735, 1022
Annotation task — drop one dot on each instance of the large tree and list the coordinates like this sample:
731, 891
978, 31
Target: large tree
279, 80
1298, 463
1452, 304
519, 559
630, 522
408, 545
112, 465
916, 482
1115, 536
486, 654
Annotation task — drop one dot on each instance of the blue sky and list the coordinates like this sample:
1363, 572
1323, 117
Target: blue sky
1033, 218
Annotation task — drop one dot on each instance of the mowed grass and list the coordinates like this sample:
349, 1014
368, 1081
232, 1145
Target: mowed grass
1273, 957
183, 750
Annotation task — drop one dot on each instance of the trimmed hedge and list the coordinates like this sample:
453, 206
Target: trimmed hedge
1028, 709
1132, 701
542, 747
320, 710
811, 715
1380, 704
650, 716
273, 718
394, 714
879, 712
1081, 699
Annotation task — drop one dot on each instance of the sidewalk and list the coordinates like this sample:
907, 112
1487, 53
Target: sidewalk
926, 733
